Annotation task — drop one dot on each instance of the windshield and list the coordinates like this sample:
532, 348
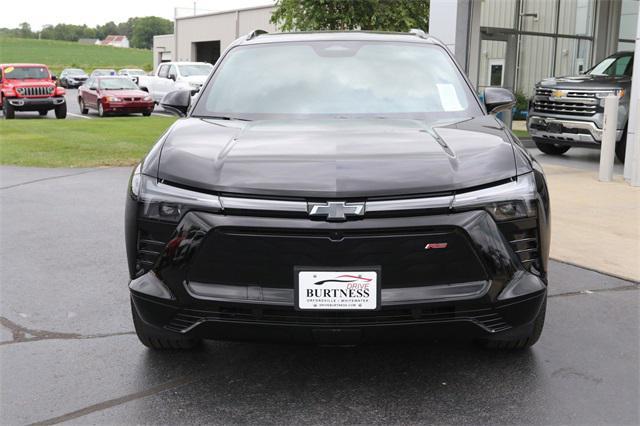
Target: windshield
116, 83
614, 66
103, 72
199, 69
341, 78
73, 71
24, 73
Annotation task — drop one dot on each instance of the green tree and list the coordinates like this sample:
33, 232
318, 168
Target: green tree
143, 30
375, 15
24, 30
110, 28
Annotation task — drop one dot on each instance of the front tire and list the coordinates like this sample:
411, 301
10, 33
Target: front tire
61, 111
522, 342
101, 112
154, 338
551, 149
83, 108
146, 113
8, 110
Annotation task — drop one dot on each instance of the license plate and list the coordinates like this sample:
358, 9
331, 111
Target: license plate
348, 289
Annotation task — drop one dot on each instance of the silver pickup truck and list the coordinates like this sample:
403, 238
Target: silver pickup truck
569, 111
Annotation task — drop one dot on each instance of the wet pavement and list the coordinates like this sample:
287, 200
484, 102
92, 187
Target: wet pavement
68, 354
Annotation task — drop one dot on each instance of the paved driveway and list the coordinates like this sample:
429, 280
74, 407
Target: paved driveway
67, 352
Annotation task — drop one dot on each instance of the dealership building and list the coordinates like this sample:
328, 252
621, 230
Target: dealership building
508, 43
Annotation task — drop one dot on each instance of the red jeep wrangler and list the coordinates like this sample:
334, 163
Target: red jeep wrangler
30, 87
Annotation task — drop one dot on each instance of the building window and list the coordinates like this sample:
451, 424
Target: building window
628, 25
496, 72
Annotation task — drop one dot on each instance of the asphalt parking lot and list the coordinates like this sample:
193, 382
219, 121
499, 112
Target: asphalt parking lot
68, 353
73, 110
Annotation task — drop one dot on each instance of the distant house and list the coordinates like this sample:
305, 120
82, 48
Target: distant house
88, 41
115, 41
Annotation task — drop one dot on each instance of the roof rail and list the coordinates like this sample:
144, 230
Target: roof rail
419, 33
255, 33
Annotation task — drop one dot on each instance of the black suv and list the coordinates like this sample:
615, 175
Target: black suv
338, 188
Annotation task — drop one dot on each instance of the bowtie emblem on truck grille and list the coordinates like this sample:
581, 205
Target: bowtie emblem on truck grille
336, 210
559, 93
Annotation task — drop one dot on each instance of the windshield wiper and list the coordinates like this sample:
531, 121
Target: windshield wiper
221, 117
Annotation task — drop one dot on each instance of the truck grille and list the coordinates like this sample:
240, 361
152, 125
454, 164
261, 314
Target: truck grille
35, 91
578, 103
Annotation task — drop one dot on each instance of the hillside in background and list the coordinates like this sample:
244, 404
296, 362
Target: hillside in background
63, 54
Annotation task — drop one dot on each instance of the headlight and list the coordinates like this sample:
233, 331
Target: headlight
166, 202
513, 200
147, 98
619, 93
113, 99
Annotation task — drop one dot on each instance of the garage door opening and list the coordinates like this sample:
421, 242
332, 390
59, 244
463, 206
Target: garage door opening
207, 51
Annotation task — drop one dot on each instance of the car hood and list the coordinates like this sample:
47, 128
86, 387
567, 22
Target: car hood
124, 93
587, 82
335, 158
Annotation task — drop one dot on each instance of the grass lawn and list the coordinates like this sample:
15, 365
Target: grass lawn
521, 134
58, 54
118, 141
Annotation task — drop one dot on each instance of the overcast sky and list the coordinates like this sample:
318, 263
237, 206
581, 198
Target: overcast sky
92, 12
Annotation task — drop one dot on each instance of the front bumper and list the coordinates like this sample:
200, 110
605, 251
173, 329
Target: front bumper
566, 131
231, 277
36, 104
128, 107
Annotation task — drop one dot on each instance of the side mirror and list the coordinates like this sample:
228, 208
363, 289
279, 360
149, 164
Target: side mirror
53, 77
497, 99
172, 77
177, 102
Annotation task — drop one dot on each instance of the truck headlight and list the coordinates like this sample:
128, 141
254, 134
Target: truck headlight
512, 200
619, 93
160, 201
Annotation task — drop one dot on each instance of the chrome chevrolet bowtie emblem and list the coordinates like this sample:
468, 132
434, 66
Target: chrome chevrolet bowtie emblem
336, 210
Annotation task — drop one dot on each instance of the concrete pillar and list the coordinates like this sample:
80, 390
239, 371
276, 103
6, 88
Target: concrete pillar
453, 22
632, 156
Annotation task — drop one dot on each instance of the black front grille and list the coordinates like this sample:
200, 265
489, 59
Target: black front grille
267, 258
487, 318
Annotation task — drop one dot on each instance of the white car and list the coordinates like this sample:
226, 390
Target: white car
132, 73
171, 76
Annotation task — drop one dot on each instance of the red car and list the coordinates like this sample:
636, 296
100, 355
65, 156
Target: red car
113, 94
